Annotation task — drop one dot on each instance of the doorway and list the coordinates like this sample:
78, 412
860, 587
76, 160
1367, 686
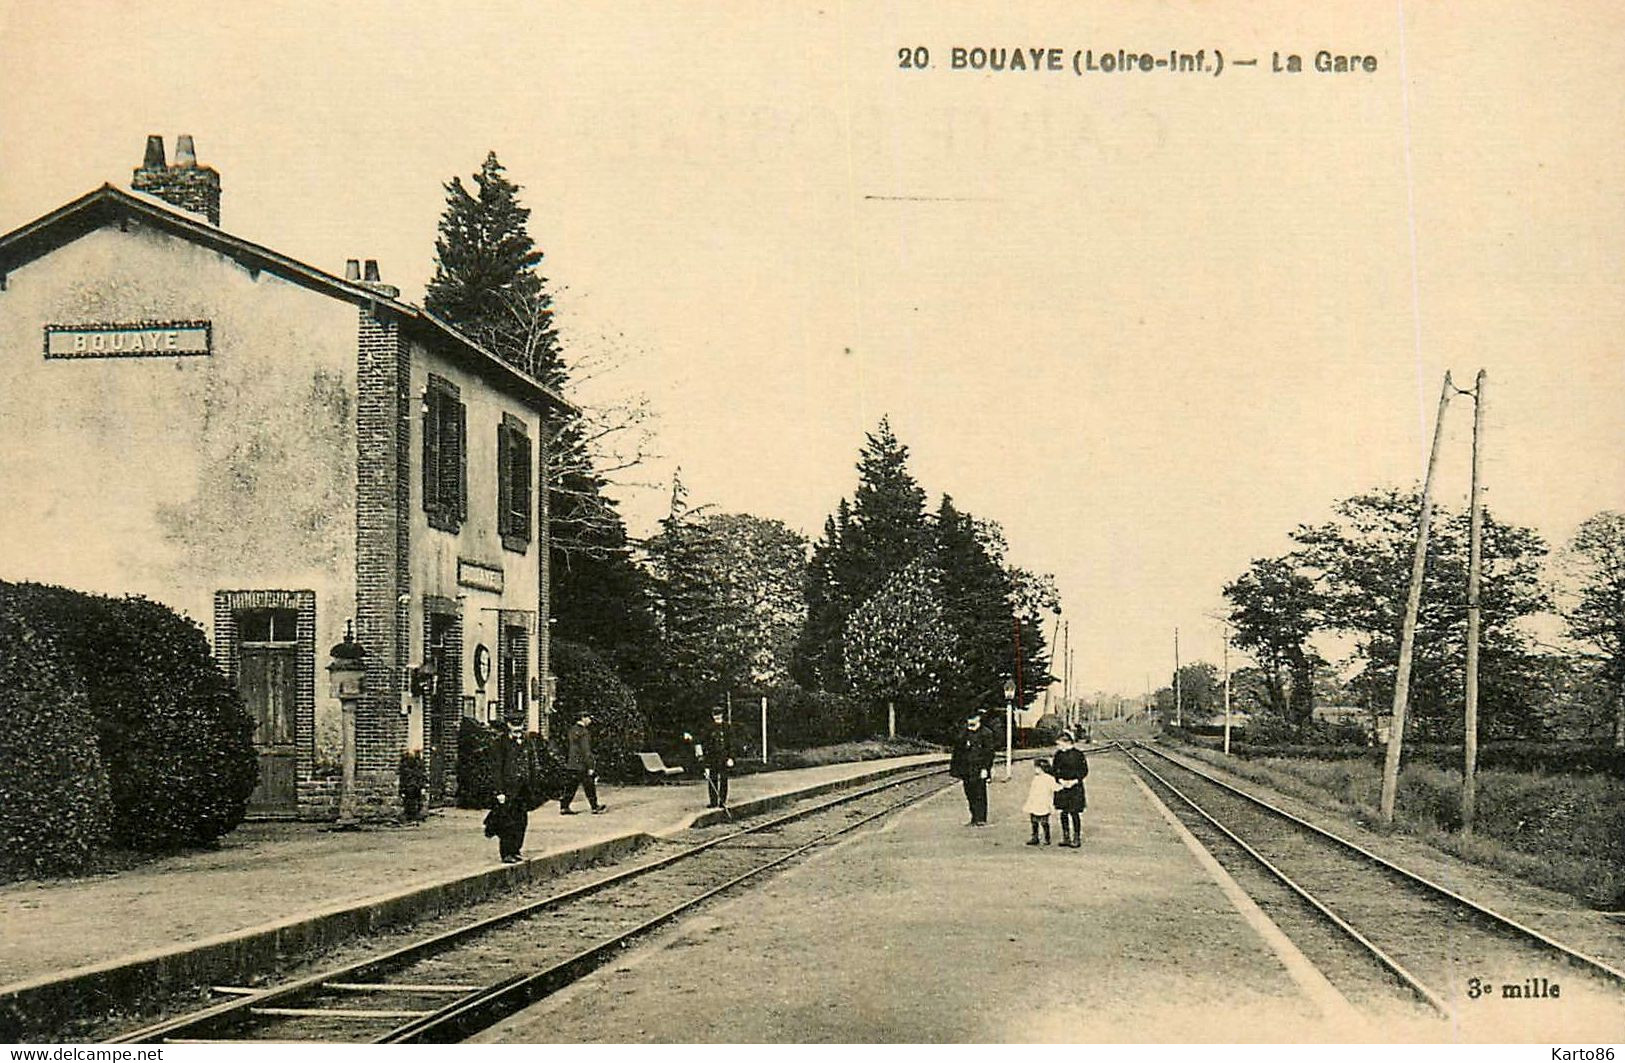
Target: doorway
267, 678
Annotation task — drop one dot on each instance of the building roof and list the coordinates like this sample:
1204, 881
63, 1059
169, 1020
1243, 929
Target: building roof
108, 204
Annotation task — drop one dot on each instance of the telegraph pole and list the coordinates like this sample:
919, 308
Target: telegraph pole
1227, 693
1179, 697
1469, 781
1413, 602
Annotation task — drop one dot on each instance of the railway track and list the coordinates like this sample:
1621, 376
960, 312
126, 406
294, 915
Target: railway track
1363, 918
443, 988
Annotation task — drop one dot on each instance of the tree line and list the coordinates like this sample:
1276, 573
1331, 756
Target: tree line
1344, 585
893, 606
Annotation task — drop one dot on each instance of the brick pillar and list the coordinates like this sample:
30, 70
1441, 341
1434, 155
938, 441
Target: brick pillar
383, 577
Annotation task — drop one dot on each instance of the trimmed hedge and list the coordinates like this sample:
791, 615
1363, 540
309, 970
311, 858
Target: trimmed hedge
173, 738
54, 803
802, 719
586, 683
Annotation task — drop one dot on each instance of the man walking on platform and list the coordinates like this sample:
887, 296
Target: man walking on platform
582, 769
515, 780
717, 754
972, 764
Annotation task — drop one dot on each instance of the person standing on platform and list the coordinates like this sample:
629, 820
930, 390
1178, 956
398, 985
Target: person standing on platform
515, 779
716, 753
580, 766
1070, 767
1040, 799
972, 764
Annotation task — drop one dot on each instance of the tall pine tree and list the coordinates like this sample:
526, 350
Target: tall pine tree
485, 280
487, 285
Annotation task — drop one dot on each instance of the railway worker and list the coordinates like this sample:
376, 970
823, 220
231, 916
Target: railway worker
515, 781
972, 764
580, 766
715, 751
1070, 767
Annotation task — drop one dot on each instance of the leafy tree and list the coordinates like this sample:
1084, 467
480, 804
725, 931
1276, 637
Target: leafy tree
1273, 608
1361, 560
732, 601
1251, 691
1596, 555
1200, 695
900, 647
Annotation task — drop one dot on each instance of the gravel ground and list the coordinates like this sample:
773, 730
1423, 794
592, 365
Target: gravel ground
929, 931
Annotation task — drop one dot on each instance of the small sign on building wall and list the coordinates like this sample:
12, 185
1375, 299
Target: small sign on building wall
147, 339
480, 576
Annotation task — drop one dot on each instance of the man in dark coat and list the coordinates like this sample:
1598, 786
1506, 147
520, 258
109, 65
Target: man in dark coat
515, 779
717, 754
580, 766
972, 764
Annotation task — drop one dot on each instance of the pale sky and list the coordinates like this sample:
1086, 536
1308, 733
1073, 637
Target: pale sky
1147, 321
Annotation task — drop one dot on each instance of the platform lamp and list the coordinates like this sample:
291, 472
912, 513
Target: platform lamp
1009, 725
347, 676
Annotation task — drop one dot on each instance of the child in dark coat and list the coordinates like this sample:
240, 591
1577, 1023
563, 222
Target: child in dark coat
1070, 766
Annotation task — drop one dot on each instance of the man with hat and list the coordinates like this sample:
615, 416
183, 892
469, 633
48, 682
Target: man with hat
582, 769
515, 780
972, 764
716, 753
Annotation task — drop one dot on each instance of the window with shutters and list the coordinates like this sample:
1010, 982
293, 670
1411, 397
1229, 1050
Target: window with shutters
445, 455
515, 469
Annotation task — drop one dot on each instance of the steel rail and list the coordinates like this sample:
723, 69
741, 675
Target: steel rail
1504, 922
241, 1006
460, 1018
1393, 966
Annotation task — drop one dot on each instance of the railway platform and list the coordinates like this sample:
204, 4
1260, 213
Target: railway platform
926, 930
274, 888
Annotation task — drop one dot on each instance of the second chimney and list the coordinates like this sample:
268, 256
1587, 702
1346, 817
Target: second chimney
186, 185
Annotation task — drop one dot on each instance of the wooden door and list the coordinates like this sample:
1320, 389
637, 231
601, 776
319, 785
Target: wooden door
266, 677
440, 729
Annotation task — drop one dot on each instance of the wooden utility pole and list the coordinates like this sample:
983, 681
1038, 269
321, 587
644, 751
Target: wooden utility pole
1227, 693
1179, 698
1475, 551
1413, 602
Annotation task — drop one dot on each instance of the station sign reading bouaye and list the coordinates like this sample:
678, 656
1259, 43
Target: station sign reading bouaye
149, 339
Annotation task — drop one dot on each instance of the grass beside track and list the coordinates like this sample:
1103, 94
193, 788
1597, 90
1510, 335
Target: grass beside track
1564, 832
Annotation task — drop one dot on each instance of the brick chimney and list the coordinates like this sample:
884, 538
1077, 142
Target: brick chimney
370, 278
186, 185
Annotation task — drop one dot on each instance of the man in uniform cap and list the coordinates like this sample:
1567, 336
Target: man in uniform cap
972, 764
716, 753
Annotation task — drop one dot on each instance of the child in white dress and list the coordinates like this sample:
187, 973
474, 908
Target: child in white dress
1040, 799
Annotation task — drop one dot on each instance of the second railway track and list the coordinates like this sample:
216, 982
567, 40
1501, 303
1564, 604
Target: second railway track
1365, 920
446, 987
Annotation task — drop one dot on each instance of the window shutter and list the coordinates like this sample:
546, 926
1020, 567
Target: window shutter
462, 461
504, 480
521, 484
431, 451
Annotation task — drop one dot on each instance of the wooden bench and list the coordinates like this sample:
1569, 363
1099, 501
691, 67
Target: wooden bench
658, 769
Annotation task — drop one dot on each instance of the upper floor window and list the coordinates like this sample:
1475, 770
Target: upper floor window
445, 455
515, 472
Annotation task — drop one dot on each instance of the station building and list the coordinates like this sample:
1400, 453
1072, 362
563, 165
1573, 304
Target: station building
278, 452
